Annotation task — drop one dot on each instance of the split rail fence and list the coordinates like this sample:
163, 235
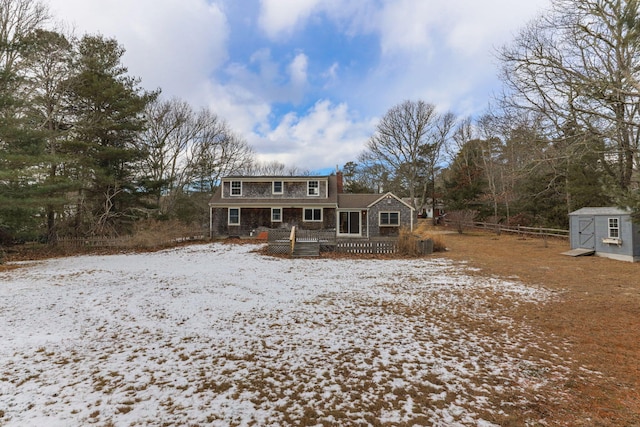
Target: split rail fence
517, 229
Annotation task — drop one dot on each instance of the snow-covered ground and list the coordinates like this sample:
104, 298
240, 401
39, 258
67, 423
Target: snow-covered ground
221, 335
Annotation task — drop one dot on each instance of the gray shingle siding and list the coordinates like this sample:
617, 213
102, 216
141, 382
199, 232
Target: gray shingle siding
388, 204
264, 190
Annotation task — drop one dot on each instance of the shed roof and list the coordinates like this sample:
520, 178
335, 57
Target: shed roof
610, 210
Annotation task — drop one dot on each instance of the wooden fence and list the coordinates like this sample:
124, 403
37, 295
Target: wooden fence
385, 246
131, 241
517, 229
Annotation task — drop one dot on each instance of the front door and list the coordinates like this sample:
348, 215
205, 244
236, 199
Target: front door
586, 233
349, 222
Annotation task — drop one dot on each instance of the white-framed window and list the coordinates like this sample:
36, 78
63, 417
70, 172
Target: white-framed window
313, 188
349, 222
276, 214
234, 216
389, 219
312, 215
614, 228
277, 187
236, 188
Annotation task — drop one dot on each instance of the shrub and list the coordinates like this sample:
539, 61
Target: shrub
423, 232
461, 219
439, 244
408, 243
154, 233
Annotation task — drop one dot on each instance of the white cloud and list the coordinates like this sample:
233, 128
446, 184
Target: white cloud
439, 51
298, 70
246, 113
280, 18
325, 135
464, 25
170, 44
475, 27
407, 24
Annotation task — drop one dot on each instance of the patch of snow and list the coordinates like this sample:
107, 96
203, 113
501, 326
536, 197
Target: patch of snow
218, 334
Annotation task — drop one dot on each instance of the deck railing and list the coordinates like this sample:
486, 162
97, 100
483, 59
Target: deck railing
280, 243
371, 246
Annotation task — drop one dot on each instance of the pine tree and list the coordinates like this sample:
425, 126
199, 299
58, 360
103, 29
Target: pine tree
108, 114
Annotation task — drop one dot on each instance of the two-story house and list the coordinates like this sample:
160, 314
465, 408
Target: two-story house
243, 204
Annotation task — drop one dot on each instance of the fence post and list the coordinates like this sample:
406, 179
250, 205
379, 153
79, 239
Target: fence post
292, 238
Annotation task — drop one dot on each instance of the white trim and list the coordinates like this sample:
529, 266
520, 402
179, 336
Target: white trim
390, 194
231, 188
273, 187
229, 217
612, 241
317, 189
276, 220
312, 220
380, 224
271, 178
618, 257
359, 233
610, 228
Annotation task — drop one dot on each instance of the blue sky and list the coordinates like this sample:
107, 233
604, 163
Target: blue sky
305, 81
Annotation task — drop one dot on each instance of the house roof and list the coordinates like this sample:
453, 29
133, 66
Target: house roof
609, 210
356, 201
362, 201
269, 178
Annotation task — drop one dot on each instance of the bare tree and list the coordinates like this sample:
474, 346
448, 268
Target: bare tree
408, 144
171, 127
215, 152
187, 151
274, 168
18, 19
577, 67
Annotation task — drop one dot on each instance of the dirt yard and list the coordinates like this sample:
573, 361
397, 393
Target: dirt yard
597, 312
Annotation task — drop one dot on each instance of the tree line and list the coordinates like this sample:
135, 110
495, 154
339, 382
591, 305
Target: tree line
563, 134
84, 150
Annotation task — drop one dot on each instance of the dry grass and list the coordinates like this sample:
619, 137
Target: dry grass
153, 233
424, 230
597, 312
408, 243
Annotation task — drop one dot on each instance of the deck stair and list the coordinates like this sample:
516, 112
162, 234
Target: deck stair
306, 249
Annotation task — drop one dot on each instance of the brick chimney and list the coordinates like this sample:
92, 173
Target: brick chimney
339, 182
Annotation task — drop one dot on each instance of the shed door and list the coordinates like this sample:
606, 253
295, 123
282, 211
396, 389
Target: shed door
586, 233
